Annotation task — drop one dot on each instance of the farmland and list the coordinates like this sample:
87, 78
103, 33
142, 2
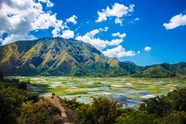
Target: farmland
127, 89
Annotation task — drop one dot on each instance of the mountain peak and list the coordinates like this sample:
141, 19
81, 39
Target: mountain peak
51, 56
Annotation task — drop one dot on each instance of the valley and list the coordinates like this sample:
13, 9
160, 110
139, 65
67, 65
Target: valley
126, 89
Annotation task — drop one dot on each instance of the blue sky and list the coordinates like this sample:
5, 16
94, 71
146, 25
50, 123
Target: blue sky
143, 31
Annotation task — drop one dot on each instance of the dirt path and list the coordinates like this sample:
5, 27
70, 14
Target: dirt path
55, 101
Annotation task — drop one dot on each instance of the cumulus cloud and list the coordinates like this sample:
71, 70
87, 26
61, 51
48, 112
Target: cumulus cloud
119, 21
138, 52
89, 37
115, 42
48, 3
176, 21
118, 52
19, 17
101, 45
119, 35
72, 19
68, 34
117, 10
147, 48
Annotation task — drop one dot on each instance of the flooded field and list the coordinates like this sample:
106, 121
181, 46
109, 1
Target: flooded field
126, 89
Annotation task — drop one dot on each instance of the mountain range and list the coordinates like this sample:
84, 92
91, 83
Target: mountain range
69, 57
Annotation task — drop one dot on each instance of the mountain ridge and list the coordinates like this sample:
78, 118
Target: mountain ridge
69, 57
51, 54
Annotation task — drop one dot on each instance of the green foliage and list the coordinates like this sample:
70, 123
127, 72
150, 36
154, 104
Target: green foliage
1, 76
136, 117
170, 109
177, 99
10, 104
101, 111
32, 96
157, 72
175, 117
12, 98
79, 72
72, 104
157, 105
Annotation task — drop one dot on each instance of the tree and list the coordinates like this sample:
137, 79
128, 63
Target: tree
10, 104
1, 76
136, 117
175, 117
157, 105
177, 99
101, 111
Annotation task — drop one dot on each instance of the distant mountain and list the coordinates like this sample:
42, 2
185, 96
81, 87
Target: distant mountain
52, 56
68, 57
163, 70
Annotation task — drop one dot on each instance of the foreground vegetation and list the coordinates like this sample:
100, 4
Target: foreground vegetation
14, 100
17, 106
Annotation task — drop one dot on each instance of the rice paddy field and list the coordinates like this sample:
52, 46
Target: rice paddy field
127, 89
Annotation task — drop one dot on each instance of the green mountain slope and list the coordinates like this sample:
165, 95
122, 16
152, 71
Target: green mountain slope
51, 56
58, 56
163, 70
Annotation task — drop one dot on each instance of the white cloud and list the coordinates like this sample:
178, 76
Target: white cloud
119, 35
138, 52
72, 19
89, 37
119, 21
117, 10
106, 28
102, 17
176, 21
136, 19
101, 45
19, 17
48, 3
147, 48
58, 27
115, 42
16, 37
131, 8
116, 34
68, 34
118, 52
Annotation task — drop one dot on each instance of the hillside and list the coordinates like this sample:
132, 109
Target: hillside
69, 57
49, 111
52, 56
163, 70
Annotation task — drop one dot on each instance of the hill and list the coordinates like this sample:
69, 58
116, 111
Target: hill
69, 57
49, 111
163, 70
52, 56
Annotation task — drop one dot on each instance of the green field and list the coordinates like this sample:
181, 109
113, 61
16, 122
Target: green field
126, 89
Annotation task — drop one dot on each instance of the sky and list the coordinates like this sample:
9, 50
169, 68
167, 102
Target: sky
145, 32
